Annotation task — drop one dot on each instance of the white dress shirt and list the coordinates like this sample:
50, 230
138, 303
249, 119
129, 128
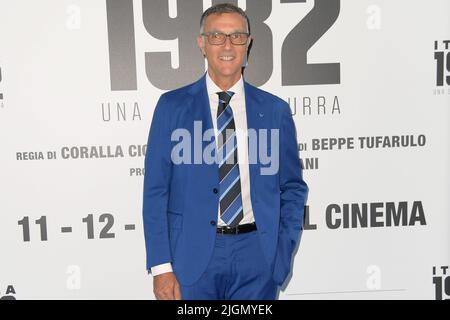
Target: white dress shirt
237, 104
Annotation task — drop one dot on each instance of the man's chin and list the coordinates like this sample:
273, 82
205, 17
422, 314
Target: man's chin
225, 73
229, 73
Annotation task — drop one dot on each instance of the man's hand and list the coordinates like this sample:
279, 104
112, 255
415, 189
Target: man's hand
166, 287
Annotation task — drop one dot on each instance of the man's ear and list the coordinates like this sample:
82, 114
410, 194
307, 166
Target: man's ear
201, 44
249, 42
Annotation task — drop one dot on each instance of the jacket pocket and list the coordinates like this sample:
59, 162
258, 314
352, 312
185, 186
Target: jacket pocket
175, 219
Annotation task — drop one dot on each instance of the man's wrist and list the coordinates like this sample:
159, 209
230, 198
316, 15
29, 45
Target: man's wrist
160, 269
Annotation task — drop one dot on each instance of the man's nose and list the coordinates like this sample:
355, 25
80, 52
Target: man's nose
227, 44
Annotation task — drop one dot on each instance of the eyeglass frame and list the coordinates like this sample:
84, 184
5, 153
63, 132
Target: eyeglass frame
206, 34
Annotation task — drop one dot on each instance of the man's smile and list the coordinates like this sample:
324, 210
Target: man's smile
226, 58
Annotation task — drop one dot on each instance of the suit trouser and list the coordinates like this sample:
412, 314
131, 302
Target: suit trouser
237, 270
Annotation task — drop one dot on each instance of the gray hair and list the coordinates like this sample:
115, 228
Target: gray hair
223, 8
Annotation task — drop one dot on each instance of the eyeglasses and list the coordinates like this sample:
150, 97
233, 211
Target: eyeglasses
218, 38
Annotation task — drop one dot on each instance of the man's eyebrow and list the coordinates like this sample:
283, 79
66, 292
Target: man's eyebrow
220, 31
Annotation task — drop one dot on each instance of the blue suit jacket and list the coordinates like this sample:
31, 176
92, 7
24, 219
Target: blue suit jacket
179, 205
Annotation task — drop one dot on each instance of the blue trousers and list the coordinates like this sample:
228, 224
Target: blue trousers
237, 271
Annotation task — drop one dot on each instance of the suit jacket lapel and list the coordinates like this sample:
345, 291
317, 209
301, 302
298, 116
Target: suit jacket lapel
200, 107
201, 111
253, 105
201, 102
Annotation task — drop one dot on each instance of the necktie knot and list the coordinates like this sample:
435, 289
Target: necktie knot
225, 97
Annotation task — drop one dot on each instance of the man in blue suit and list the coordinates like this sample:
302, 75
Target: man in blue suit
223, 190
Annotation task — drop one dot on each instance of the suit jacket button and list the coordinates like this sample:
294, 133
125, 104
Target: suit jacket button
215, 190
213, 223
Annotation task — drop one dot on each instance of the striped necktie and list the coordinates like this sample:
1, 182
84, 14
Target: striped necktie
230, 199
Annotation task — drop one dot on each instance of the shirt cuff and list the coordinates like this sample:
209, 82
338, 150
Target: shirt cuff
161, 268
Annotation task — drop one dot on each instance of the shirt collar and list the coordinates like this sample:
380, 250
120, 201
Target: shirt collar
213, 88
